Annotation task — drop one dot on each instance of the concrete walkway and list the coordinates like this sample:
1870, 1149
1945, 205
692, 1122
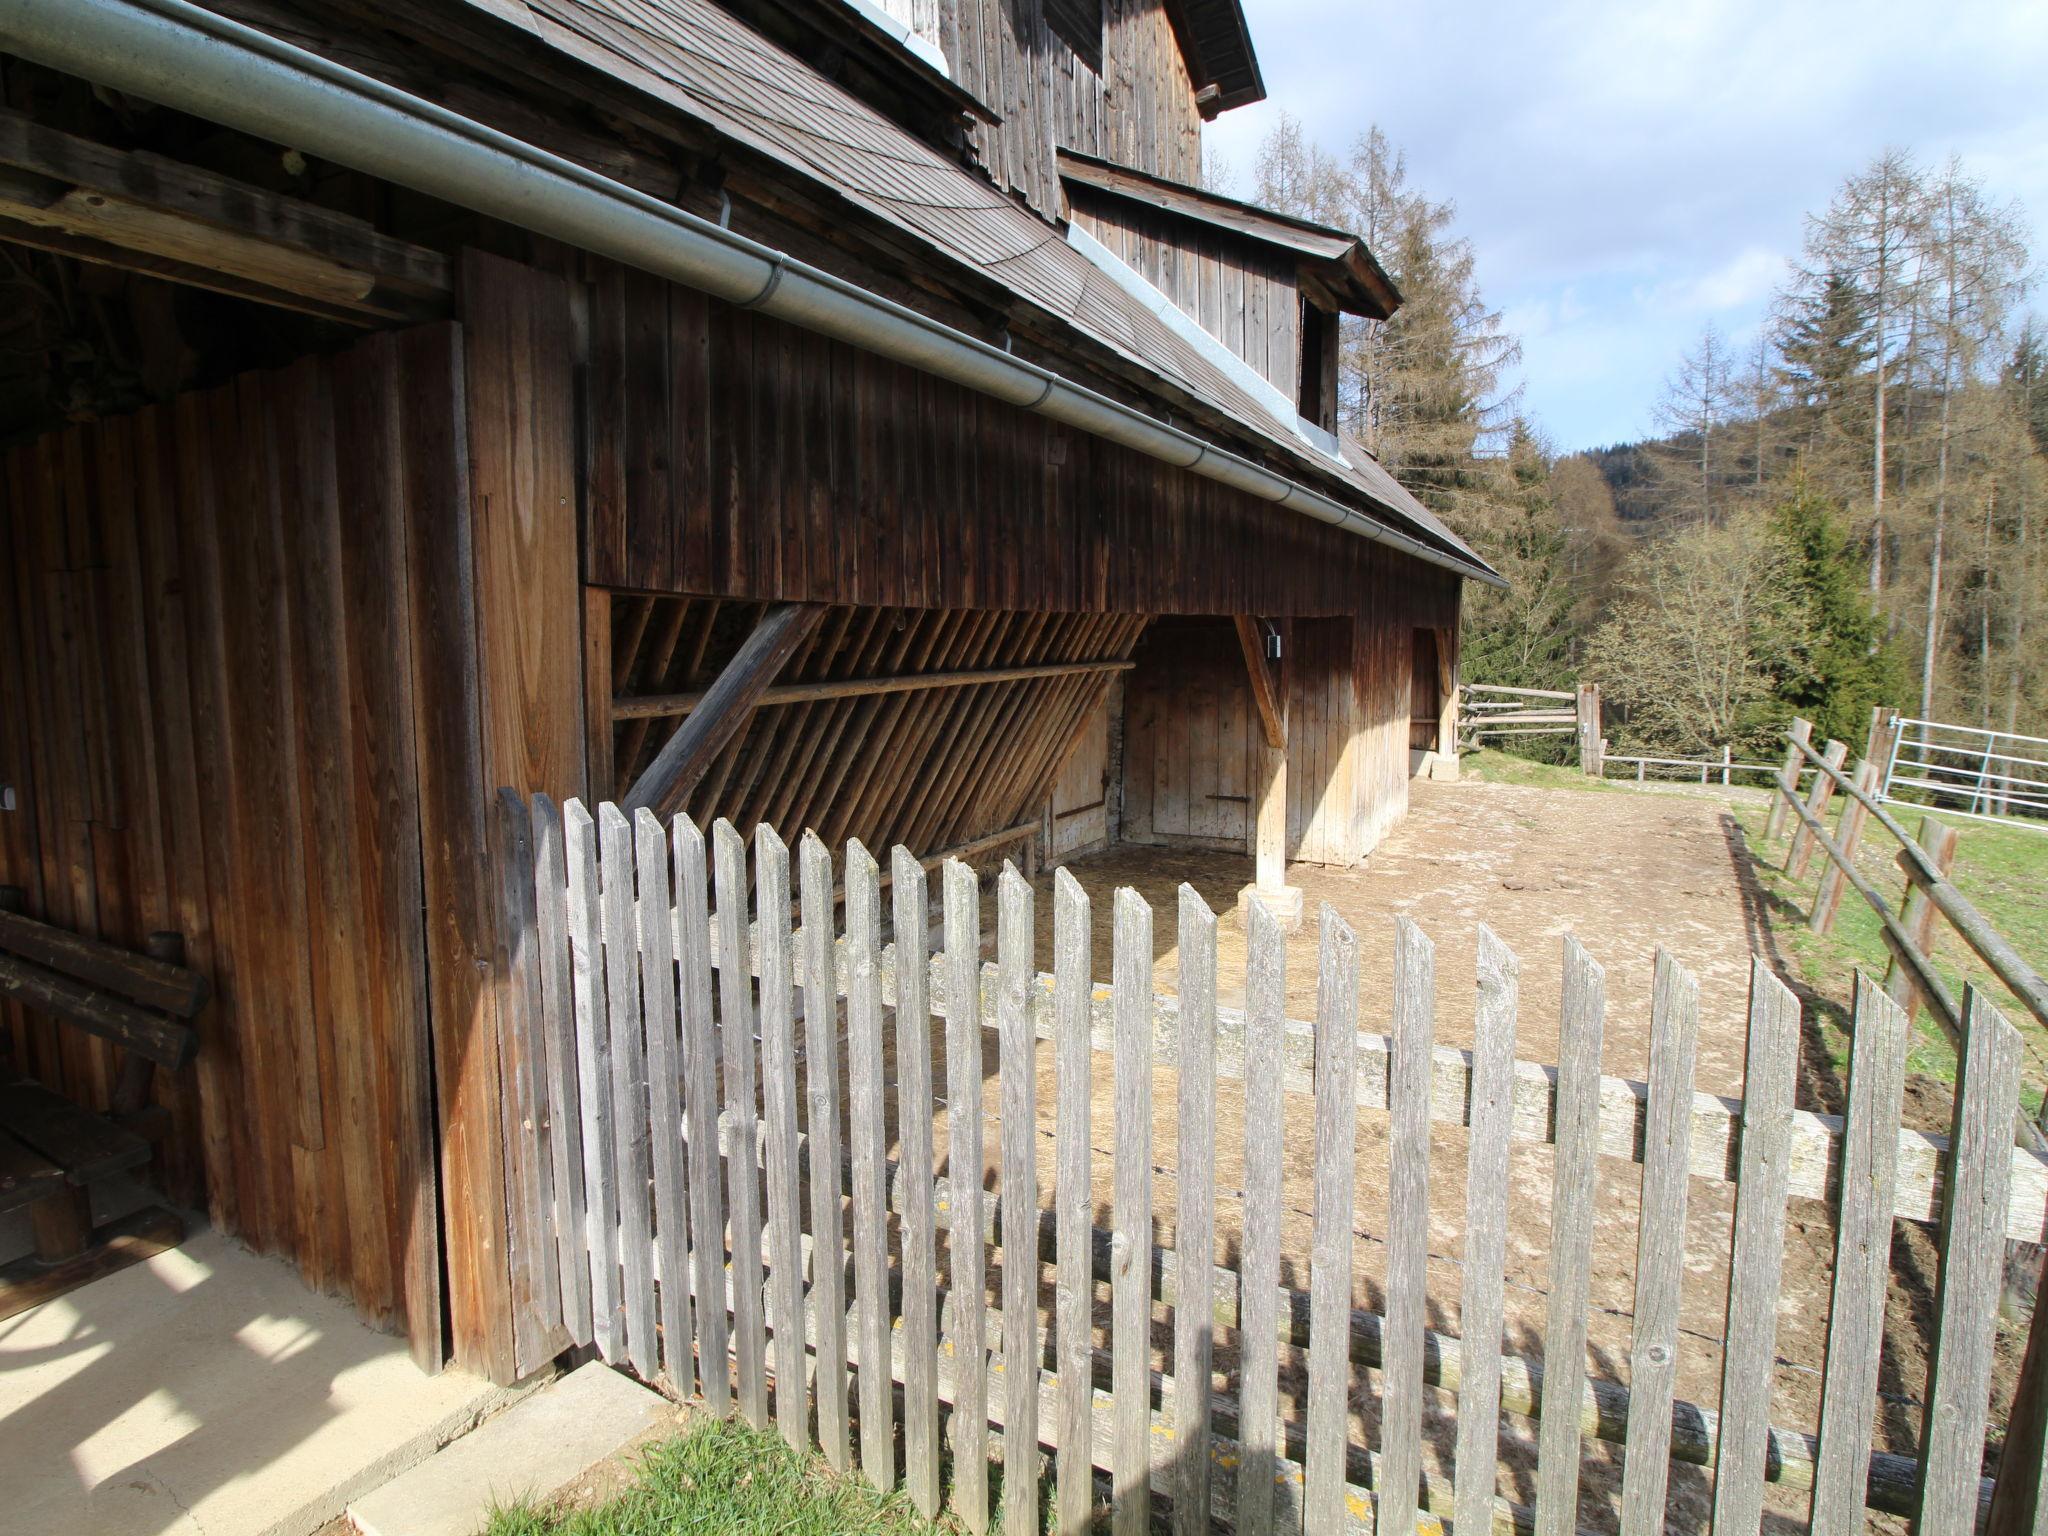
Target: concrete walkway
207, 1392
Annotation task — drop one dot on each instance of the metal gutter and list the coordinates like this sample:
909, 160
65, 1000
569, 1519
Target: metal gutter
188, 58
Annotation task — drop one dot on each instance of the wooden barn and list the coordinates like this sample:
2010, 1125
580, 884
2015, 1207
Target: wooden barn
843, 414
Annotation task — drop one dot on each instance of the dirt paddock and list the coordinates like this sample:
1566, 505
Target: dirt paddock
1627, 873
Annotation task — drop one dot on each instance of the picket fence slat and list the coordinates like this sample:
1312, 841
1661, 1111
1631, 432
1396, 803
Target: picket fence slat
1195, 1221
665, 1094
1017, 1069
1073, 960
594, 1077
867, 1132
918, 1241
700, 1115
1575, 1180
1414, 1046
1258, 1357
1336, 1158
965, 1157
558, 1033
1486, 1216
1131, 1290
827, 1303
779, 1137
653, 1139
1749, 1362
743, 1182
632, 1132
1660, 1247
1863, 1246
1972, 1271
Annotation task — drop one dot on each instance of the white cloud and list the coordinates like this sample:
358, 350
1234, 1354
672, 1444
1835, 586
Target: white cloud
1628, 171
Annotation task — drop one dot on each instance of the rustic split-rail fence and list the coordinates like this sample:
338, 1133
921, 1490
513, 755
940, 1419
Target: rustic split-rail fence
729, 1174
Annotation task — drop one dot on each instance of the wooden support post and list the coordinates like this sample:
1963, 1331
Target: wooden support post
1592, 745
1827, 900
725, 709
1795, 760
1269, 827
1918, 914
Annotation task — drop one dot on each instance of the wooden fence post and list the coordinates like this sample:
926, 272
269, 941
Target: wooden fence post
2019, 1502
1918, 915
1827, 899
1801, 733
1800, 855
1590, 742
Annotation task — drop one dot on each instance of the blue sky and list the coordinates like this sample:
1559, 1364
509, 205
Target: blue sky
1629, 172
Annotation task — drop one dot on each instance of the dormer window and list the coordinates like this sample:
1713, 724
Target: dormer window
1320, 334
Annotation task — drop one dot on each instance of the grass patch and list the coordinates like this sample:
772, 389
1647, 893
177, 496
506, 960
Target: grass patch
723, 1478
1494, 766
2002, 870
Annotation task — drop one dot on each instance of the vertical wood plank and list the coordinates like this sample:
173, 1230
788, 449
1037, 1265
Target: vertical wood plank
630, 1126
1195, 1225
559, 1037
594, 1081
1749, 1363
740, 1136
666, 1071
964, 1160
1863, 1246
822, 1121
1660, 1244
1016, 976
919, 1237
1827, 899
700, 1115
1408, 1092
1336, 1158
1576, 1175
1073, 950
1486, 1204
868, 1135
1979, 1168
1131, 1239
1802, 730
778, 1102
1800, 854
1918, 915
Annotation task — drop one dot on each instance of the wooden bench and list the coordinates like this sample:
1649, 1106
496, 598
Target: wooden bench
52, 1151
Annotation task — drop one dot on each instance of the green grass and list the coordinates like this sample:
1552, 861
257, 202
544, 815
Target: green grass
726, 1479
1496, 767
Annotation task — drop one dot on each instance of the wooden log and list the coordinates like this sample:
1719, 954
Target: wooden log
780, 1143
1486, 1195
726, 707
144, 980
1575, 1182
1972, 1271
1195, 1209
821, 1087
1863, 1245
964, 1209
1336, 1159
1018, 1073
666, 705
1073, 955
1131, 1246
1756, 1262
1800, 734
164, 1040
1660, 1247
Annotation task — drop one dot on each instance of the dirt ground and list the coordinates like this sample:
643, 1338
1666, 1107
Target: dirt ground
1626, 872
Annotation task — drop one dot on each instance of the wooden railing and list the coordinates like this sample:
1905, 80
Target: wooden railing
689, 1213
1494, 710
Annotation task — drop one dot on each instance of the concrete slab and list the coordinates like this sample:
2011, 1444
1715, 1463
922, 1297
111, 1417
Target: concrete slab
207, 1392
531, 1451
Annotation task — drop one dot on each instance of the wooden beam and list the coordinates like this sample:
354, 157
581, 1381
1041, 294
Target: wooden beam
725, 709
162, 1039
1266, 687
658, 705
139, 978
147, 213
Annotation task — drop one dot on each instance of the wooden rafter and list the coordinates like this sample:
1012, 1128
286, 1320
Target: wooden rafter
146, 213
686, 755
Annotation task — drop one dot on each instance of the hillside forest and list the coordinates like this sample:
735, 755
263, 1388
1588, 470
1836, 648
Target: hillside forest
1847, 510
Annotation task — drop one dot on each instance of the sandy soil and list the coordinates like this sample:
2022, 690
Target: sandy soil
1627, 873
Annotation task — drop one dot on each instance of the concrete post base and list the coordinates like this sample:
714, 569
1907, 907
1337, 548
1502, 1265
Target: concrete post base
1284, 902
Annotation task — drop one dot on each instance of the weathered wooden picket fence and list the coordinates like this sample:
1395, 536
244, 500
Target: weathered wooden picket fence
646, 1136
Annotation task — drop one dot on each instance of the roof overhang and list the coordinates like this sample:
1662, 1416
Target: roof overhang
1217, 43
1336, 269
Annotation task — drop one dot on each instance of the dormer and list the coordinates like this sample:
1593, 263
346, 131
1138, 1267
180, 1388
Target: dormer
1271, 289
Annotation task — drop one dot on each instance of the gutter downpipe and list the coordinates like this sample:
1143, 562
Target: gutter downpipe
181, 56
